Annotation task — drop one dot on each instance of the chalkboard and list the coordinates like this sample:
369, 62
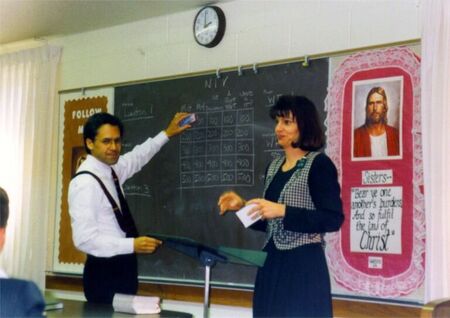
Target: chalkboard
229, 147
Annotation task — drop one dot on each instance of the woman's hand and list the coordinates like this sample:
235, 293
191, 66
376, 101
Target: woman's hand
267, 209
230, 201
174, 128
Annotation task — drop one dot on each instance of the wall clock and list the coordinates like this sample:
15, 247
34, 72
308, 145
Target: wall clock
209, 26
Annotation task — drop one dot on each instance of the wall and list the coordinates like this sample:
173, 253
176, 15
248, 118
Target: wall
257, 31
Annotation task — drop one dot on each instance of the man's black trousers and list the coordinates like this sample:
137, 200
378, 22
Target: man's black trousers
105, 276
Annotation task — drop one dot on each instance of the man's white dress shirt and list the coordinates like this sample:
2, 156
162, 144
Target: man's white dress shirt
95, 230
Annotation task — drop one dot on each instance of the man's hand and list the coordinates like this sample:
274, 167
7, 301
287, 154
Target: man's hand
230, 201
174, 129
145, 244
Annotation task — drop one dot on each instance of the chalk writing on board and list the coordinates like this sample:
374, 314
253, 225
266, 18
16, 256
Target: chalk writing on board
271, 145
127, 146
139, 190
271, 97
219, 149
376, 218
215, 82
132, 111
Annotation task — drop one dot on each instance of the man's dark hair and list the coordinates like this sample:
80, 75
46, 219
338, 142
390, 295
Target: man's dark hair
305, 113
97, 120
4, 208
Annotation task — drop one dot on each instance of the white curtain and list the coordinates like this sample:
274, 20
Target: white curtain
436, 145
28, 130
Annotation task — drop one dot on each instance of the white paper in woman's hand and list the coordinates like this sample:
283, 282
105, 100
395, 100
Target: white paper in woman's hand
245, 218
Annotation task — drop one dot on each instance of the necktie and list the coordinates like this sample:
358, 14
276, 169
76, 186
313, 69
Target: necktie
126, 221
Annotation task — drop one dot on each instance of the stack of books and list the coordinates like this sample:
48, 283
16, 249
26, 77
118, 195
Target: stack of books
133, 304
51, 302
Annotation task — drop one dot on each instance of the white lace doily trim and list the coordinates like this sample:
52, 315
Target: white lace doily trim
344, 274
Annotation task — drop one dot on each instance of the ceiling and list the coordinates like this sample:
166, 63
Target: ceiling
28, 19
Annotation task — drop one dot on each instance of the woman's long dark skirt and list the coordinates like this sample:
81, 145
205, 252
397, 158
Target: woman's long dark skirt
293, 283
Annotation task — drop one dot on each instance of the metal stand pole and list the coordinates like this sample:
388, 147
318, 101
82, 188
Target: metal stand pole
207, 288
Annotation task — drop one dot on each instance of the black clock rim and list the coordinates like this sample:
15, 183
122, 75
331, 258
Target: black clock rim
220, 31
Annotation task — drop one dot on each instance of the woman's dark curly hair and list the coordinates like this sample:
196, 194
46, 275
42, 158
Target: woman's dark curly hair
307, 118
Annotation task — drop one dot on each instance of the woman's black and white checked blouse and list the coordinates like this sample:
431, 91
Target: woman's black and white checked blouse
295, 193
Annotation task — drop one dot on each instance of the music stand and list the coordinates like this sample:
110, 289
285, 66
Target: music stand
209, 256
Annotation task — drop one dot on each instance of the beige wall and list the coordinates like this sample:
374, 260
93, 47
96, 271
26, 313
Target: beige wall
257, 31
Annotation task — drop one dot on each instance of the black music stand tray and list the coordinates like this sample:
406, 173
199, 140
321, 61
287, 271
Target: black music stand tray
209, 256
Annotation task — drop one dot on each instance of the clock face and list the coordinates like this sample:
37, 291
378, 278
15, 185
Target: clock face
209, 26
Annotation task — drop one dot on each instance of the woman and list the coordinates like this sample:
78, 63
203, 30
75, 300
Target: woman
301, 202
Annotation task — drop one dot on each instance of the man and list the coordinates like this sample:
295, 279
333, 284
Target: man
18, 298
376, 138
102, 225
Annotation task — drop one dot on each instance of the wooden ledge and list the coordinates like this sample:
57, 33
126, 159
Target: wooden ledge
242, 298
220, 296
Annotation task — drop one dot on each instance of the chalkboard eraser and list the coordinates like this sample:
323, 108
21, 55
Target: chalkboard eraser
187, 120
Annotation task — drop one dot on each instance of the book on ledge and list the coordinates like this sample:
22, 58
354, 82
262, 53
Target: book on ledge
51, 302
133, 304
